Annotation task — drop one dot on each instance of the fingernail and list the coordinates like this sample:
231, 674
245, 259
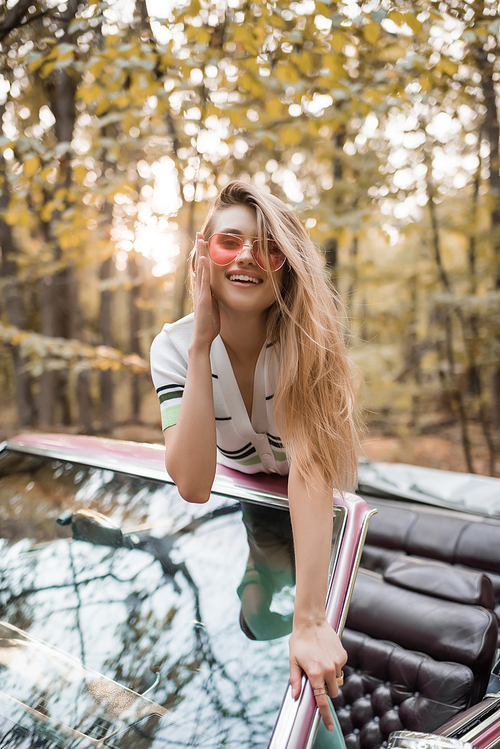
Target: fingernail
330, 728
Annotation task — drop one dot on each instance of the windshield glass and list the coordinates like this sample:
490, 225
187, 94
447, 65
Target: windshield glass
130, 618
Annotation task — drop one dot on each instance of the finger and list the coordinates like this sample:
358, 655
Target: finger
201, 247
204, 272
324, 710
332, 685
295, 679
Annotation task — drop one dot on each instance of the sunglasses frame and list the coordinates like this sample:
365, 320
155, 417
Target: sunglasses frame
237, 236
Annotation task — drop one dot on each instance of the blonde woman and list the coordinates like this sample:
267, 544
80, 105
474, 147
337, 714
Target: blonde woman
258, 379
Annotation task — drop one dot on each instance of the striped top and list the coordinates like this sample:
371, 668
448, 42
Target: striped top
248, 445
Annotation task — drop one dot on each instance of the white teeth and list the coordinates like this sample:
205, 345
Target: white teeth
244, 278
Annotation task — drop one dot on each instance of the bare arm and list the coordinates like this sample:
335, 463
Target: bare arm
315, 648
190, 445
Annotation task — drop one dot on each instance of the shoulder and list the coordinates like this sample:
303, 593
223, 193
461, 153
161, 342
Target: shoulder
173, 336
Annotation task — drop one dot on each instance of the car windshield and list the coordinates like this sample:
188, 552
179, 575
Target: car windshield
129, 618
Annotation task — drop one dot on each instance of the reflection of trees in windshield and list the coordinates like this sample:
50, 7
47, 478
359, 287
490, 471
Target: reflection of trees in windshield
35, 490
122, 611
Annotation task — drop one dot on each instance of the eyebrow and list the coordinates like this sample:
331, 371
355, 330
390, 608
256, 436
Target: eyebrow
230, 231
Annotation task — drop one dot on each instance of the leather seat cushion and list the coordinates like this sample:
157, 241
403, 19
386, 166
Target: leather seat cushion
433, 534
387, 688
441, 580
445, 630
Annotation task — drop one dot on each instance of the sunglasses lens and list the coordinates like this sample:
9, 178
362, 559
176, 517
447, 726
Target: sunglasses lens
223, 248
274, 259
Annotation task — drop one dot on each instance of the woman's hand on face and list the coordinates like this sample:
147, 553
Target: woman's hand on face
206, 308
316, 651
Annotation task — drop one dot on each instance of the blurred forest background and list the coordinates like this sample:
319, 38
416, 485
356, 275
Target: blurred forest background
377, 121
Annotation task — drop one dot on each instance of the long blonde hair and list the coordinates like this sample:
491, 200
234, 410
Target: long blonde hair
315, 396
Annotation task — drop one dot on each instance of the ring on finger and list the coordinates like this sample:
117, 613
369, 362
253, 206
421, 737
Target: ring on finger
340, 679
319, 691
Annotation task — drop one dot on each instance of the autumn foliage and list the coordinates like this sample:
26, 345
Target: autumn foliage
378, 122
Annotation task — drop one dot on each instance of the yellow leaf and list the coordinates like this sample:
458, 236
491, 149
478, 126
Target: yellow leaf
79, 173
236, 117
203, 37
304, 62
290, 136
46, 212
122, 101
412, 22
338, 41
102, 105
287, 73
90, 93
240, 34
31, 166
333, 63
96, 68
248, 83
35, 64
274, 107
371, 32
397, 17
47, 69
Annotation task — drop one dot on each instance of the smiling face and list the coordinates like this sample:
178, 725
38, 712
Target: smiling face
242, 285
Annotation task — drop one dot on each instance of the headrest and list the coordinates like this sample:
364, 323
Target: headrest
441, 580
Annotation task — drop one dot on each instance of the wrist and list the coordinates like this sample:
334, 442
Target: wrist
199, 349
308, 619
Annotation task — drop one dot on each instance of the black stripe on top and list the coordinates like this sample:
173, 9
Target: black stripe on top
252, 451
223, 418
170, 395
236, 453
169, 387
216, 377
269, 397
275, 441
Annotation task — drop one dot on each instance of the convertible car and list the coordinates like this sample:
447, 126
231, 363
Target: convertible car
129, 618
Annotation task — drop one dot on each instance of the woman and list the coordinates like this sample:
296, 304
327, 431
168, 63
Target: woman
261, 364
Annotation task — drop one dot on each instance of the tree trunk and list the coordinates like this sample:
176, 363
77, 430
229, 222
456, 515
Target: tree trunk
183, 270
14, 304
106, 376
135, 326
454, 386
60, 310
413, 353
491, 130
48, 378
332, 244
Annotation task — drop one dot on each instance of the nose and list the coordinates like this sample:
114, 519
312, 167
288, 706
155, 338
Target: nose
246, 253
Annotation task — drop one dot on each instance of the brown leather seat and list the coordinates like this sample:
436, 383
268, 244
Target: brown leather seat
432, 533
421, 640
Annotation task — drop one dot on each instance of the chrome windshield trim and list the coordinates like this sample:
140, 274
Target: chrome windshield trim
345, 610
357, 563
223, 485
